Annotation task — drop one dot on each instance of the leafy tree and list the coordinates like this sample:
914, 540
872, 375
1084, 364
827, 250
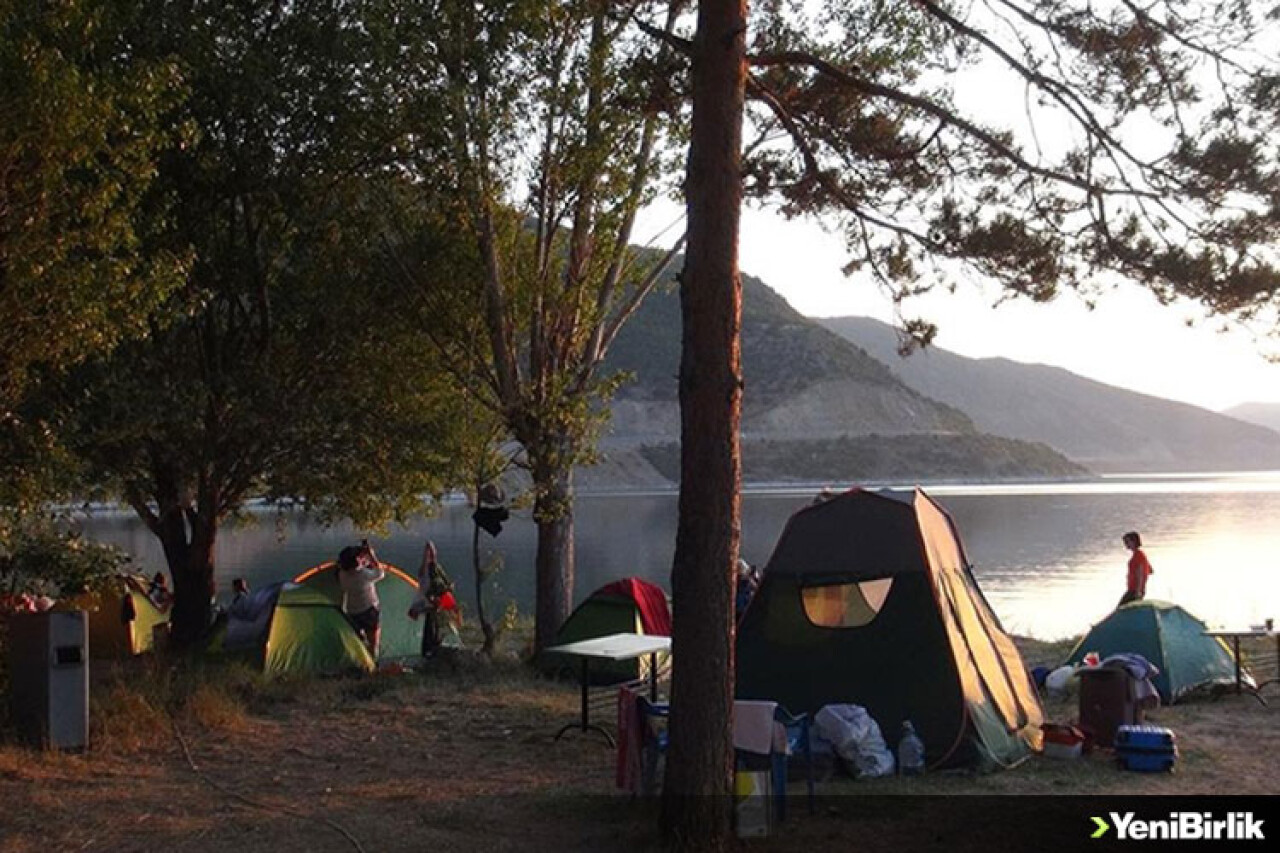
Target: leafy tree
77, 155
545, 134
1147, 152
286, 365
78, 144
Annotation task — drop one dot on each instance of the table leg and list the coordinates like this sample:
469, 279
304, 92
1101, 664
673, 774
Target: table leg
653, 677
585, 723
586, 679
1239, 679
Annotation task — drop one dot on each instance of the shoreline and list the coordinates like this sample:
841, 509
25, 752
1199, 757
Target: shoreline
1267, 480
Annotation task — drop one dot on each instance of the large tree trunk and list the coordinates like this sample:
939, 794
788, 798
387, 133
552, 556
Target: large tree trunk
188, 550
553, 514
698, 786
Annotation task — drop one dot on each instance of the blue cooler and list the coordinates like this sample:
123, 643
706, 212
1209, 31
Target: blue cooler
1147, 749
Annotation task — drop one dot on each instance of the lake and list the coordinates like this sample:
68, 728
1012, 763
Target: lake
1047, 556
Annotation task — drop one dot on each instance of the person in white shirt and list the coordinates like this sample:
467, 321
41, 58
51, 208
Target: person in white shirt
358, 574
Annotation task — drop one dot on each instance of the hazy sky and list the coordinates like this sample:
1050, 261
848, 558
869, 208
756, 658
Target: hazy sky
1129, 340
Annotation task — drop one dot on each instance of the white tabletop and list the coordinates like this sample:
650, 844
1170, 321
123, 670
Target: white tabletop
1242, 632
615, 646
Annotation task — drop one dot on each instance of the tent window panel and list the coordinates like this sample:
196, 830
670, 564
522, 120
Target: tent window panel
845, 605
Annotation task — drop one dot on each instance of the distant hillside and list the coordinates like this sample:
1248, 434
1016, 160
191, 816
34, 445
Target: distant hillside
1262, 414
802, 381
876, 458
815, 408
1100, 426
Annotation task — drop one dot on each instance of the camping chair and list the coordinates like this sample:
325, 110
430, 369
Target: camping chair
766, 743
797, 728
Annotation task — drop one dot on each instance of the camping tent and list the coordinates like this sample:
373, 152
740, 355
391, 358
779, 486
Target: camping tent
122, 618
868, 600
1167, 636
300, 627
629, 605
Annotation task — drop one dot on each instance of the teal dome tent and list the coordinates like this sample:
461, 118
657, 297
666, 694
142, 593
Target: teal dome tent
1167, 636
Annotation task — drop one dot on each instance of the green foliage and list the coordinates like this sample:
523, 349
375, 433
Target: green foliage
288, 364
81, 133
1141, 145
541, 148
41, 557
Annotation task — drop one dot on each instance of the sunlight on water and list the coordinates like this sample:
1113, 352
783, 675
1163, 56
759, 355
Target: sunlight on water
1047, 556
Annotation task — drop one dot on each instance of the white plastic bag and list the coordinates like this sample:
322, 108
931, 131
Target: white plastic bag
1060, 680
856, 738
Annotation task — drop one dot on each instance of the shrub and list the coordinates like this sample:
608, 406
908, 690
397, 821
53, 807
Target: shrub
39, 557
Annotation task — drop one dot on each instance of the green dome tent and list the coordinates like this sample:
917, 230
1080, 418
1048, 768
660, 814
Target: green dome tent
868, 600
625, 606
300, 627
1167, 636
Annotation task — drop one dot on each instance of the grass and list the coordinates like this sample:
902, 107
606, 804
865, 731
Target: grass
454, 756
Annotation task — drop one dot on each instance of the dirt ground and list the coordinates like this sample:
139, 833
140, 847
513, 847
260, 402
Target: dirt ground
465, 759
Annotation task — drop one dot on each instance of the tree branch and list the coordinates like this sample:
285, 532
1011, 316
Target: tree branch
815, 172
667, 37
637, 297
941, 113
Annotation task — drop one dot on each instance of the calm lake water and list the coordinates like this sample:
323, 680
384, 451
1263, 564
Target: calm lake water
1047, 556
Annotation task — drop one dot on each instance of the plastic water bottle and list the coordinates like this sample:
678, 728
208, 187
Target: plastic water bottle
910, 751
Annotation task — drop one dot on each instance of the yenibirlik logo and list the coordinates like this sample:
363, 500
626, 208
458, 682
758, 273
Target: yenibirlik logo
1182, 826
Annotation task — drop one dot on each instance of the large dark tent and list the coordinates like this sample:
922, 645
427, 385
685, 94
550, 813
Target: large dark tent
868, 599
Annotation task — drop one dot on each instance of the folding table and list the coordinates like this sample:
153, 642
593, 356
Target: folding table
613, 647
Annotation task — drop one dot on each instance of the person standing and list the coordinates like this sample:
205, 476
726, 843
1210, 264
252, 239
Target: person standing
435, 595
1139, 570
358, 574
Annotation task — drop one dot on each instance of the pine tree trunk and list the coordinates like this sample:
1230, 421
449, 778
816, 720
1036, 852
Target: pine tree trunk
698, 786
553, 514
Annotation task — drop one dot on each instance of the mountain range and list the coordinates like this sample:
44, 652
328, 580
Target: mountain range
1105, 428
1262, 414
831, 400
815, 408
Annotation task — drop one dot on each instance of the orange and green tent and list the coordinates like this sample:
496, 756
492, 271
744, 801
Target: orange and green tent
869, 600
299, 626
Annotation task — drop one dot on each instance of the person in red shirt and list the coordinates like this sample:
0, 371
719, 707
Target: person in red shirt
1139, 570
